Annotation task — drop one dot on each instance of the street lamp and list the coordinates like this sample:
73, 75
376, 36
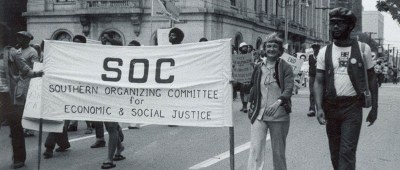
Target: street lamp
285, 4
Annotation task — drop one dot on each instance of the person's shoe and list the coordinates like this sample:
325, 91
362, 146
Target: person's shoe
48, 154
89, 131
72, 129
99, 144
245, 110
17, 165
133, 127
62, 149
311, 114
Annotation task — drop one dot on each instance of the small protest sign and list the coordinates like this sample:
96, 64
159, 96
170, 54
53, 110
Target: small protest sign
242, 67
293, 61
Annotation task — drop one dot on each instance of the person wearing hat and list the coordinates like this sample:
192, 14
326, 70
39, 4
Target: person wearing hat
344, 74
244, 95
312, 61
30, 55
176, 36
16, 70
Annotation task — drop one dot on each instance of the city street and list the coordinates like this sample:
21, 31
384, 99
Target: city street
155, 147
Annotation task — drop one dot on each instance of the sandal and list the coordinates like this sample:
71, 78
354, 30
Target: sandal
118, 158
108, 165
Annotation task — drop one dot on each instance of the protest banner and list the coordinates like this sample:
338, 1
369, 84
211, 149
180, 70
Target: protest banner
293, 61
242, 68
185, 84
32, 109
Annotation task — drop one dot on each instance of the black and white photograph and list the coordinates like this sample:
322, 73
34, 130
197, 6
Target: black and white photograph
199, 84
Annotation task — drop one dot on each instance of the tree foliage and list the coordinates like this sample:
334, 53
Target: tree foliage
391, 6
365, 38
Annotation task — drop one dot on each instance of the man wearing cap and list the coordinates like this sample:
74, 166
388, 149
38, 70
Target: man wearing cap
340, 85
30, 55
312, 62
244, 95
16, 70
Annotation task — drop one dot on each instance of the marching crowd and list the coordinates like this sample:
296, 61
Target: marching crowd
342, 81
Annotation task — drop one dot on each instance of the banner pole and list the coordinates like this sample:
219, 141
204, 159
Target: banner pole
232, 148
40, 141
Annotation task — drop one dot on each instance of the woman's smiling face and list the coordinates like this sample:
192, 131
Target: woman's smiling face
272, 50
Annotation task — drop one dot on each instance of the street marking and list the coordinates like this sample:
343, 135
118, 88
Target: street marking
105, 133
223, 156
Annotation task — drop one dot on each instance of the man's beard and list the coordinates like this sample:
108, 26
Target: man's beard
340, 36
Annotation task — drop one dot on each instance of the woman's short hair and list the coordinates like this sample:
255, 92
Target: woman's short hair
274, 38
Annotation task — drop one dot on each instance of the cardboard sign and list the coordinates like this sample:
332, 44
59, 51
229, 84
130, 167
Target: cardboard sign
242, 68
293, 61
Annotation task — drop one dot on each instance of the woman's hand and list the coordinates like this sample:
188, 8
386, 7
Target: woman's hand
271, 110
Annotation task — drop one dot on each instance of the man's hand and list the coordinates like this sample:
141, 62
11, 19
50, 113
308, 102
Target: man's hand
38, 73
372, 116
271, 110
233, 82
321, 117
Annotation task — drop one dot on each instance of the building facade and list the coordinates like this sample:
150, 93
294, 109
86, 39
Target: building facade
241, 20
373, 23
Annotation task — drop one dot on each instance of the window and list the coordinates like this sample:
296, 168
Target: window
113, 34
65, 0
233, 2
258, 43
266, 6
63, 36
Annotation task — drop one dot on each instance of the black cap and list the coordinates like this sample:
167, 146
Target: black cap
25, 34
342, 14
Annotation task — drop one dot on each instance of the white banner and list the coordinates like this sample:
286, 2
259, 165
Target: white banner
32, 110
184, 84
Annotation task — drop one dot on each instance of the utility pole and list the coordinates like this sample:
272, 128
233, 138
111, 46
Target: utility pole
393, 58
370, 34
379, 40
397, 59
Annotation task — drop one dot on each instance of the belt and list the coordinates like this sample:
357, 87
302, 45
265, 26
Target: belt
343, 99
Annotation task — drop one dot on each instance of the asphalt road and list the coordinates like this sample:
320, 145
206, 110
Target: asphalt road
155, 147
